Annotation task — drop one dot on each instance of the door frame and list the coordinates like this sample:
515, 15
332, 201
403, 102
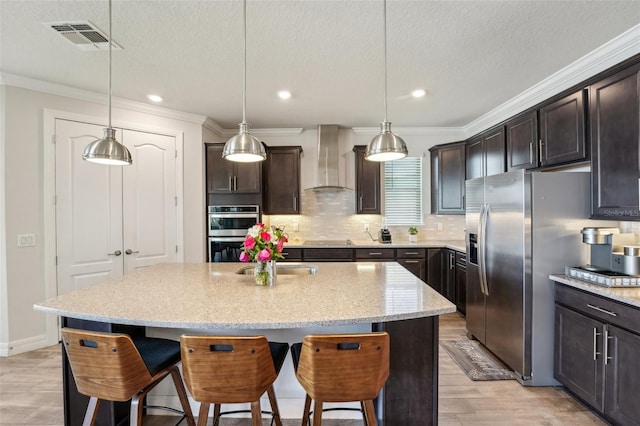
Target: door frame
49, 233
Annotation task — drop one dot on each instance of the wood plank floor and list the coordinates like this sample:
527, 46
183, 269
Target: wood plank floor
31, 383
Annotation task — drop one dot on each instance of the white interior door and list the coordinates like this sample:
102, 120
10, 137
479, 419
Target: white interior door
112, 219
149, 194
88, 211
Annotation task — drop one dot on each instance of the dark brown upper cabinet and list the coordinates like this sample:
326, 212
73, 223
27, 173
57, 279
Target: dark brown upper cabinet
281, 176
227, 177
367, 183
447, 178
614, 115
486, 154
562, 131
522, 141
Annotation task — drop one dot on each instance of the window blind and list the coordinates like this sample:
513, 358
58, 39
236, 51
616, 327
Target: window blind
403, 191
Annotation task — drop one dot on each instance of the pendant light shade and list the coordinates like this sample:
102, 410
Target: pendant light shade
244, 147
386, 146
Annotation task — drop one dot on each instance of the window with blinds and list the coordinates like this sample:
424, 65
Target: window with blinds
403, 191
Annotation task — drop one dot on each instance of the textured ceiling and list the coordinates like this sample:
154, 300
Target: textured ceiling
470, 56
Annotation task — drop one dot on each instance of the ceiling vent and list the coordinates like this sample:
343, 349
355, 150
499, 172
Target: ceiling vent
84, 35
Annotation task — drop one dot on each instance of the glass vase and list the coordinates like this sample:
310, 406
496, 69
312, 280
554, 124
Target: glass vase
265, 273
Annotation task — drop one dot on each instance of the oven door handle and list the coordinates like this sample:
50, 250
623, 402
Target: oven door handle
233, 215
226, 239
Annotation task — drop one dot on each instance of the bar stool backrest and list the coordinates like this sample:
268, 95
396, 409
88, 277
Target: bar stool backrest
105, 365
227, 369
341, 368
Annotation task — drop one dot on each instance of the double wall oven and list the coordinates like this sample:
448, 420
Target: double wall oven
227, 228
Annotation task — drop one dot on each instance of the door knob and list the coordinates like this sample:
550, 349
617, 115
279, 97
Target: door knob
115, 253
129, 251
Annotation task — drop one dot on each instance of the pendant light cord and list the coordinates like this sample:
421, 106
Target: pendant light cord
244, 84
384, 32
109, 64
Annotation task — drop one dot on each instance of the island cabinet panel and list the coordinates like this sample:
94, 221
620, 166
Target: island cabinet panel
328, 254
382, 254
281, 177
434, 269
597, 348
614, 118
413, 370
461, 282
292, 254
368, 200
522, 142
228, 177
562, 131
448, 171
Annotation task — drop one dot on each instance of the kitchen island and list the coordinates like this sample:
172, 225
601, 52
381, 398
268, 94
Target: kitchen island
169, 299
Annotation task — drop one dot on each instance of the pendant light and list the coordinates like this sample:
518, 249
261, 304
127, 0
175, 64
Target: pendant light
108, 150
386, 146
244, 147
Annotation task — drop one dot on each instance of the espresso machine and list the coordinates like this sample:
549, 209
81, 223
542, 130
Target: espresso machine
615, 258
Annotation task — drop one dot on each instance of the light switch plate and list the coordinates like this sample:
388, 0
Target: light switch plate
26, 240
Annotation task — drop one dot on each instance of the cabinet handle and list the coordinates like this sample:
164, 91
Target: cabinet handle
360, 204
411, 261
604, 311
451, 261
230, 183
540, 148
606, 346
595, 344
295, 203
411, 253
531, 152
377, 253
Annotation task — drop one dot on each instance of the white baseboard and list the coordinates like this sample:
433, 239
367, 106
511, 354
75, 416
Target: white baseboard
25, 345
290, 408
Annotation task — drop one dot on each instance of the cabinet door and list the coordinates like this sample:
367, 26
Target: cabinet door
434, 269
461, 287
247, 177
328, 254
415, 266
562, 129
447, 178
494, 151
475, 163
615, 140
622, 377
367, 183
522, 142
449, 274
282, 180
219, 171
578, 355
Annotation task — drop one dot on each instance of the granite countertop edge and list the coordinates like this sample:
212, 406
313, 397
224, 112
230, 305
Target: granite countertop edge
457, 245
628, 295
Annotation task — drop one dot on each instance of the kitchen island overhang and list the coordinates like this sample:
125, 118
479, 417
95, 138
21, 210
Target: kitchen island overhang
211, 296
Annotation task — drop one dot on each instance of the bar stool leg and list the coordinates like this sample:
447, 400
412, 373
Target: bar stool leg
203, 414
182, 394
216, 414
256, 413
274, 406
317, 413
370, 413
92, 411
305, 413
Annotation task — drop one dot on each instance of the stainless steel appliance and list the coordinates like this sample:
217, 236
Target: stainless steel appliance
228, 226
521, 227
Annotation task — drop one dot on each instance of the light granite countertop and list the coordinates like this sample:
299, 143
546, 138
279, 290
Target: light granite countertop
630, 296
213, 296
458, 245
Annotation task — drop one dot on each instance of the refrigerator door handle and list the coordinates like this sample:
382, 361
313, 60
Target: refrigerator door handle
481, 242
485, 219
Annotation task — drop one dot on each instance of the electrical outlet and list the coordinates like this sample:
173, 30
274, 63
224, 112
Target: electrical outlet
26, 240
439, 227
366, 227
296, 227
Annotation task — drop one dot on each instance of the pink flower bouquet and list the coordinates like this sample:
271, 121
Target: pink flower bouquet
263, 244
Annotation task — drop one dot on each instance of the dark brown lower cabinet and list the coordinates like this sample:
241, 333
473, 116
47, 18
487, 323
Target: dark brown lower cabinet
597, 348
461, 282
413, 260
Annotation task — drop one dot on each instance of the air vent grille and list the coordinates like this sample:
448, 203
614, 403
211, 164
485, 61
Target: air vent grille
84, 35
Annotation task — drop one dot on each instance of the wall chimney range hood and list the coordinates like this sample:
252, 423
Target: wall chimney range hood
331, 175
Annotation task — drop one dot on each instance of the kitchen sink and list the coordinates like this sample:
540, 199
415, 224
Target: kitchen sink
284, 269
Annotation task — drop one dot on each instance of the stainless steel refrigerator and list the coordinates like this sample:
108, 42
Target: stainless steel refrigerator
520, 228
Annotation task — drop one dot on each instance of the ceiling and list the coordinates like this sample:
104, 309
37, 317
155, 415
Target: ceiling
470, 56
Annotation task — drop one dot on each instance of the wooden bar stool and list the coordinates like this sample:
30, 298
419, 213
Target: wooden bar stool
230, 370
115, 367
342, 368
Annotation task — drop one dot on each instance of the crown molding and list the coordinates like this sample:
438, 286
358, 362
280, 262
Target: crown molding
609, 54
100, 98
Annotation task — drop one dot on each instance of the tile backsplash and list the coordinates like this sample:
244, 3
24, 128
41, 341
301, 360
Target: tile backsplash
331, 216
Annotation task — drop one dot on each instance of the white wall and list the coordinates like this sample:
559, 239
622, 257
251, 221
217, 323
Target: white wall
4, 310
24, 142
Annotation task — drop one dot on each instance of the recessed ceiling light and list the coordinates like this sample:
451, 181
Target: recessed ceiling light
284, 94
418, 93
154, 98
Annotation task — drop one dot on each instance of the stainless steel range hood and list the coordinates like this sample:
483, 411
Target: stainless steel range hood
331, 175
